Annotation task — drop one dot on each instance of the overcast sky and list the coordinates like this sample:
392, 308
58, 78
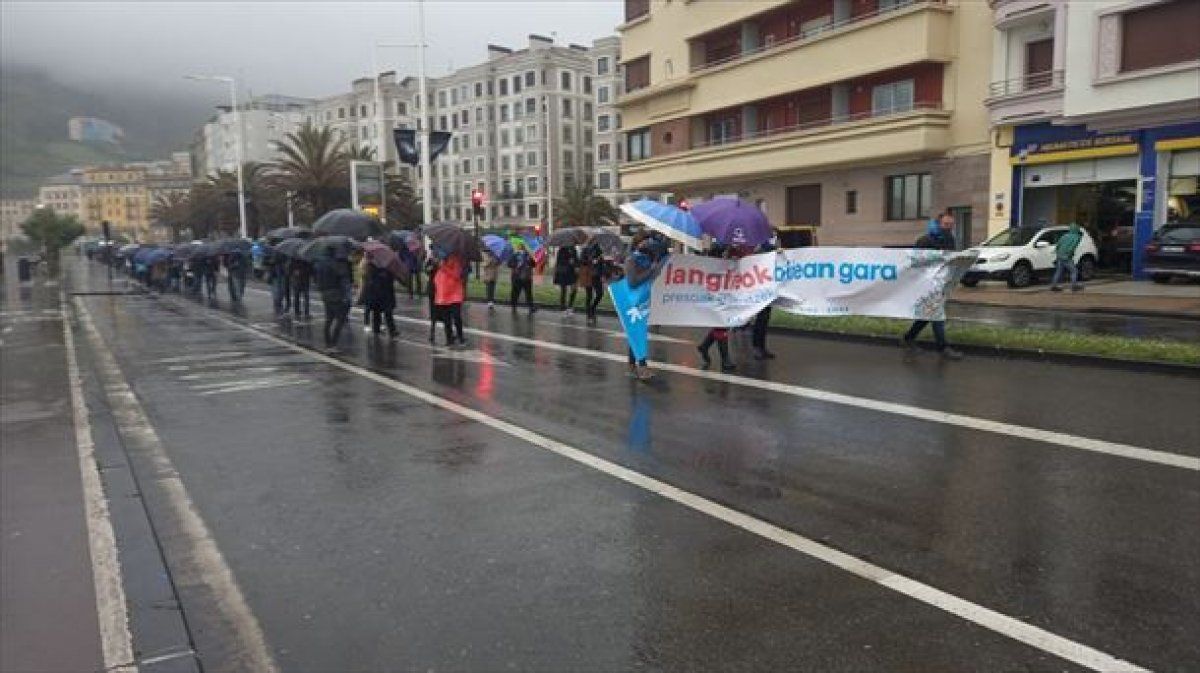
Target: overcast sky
295, 48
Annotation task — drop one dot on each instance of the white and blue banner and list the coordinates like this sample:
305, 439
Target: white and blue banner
633, 308
883, 282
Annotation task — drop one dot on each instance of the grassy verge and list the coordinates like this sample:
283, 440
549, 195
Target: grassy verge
991, 336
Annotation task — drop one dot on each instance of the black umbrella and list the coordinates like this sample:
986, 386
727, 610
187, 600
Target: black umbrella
290, 248
231, 245
346, 222
610, 243
320, 247
452, 239
568, 236
284, 233
206, 250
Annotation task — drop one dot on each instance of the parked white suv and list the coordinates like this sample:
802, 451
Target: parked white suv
1021, 254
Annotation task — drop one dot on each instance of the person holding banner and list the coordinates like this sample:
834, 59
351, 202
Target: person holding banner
718, 335
631, 296
758, 329
939, 235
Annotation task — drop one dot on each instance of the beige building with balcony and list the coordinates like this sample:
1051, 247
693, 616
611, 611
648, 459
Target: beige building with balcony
858, 118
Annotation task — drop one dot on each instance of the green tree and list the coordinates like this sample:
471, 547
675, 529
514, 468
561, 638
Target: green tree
171, 211
403, 205
580, 207
313, 166
52, 232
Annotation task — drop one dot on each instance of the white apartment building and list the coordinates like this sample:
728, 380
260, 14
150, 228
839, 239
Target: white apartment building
64, 194
606, 67
523, 125
356, 118
13, 213
265, 120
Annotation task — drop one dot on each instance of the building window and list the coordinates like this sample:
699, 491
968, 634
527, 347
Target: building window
602, 65
533, 211
504, 112
504, 87
568, 135
637, 74
587, 84
851, 202
479, 116
568, 158
516, 84
530, 106
890, 98
341, 113
1154, 36
530, 79
531, 159
518, 135
362, 111
441, 99
479, 89
505, 163
637, 145
602, 95
566, 108
466, 141
602, 123
478, 164
517, 107
587, 137
466, 117
520, 161
587, 111
531, 185
504, 138
466, 166
442, 122
909, 196
401, 108
566, 81
635, 9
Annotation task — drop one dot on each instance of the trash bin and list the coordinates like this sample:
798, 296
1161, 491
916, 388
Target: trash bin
24, 269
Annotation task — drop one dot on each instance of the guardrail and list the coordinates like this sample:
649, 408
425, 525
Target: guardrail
1036, 81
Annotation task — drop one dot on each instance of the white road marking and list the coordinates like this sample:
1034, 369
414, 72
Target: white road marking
946, 418
259, 385
116, 643
200, 357
1005, 625
204, 566
226, 372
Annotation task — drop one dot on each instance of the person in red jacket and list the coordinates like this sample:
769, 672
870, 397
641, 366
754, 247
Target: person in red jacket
449, 293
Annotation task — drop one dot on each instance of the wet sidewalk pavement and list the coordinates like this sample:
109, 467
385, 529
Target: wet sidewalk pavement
1115, 296
48, 616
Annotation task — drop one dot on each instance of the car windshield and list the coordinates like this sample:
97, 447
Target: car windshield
1179, 234
1015, 236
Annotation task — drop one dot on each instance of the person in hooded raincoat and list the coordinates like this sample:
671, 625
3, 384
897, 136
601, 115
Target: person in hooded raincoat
939, 235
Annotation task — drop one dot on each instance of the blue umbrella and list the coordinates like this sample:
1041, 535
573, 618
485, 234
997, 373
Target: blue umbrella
499, 247
672, 222
733, 222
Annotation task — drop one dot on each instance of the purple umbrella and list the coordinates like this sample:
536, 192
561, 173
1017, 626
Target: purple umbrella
733, 222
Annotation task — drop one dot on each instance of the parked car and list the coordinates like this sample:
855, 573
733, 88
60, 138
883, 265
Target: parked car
1021, 254
1174, 251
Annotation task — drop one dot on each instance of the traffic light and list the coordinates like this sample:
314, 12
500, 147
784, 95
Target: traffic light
477, 200
537, 230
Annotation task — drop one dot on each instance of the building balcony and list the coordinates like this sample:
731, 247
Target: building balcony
1031, 97
914, 32
870, 138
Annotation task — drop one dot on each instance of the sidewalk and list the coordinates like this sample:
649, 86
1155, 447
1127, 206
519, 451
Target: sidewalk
1107, 295
48, 617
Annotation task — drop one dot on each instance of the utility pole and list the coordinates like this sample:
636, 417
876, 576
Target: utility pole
423, 123
546, 105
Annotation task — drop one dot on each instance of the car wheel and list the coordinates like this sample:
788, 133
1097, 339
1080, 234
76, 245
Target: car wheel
1087, 268
970, 282
1021, 275
1161, 278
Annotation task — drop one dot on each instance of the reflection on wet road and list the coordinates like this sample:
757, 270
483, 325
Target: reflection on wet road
522, 503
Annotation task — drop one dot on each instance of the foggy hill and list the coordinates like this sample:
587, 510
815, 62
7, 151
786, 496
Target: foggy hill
34, 109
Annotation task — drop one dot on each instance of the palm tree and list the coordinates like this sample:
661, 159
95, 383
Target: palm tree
170, 211
313, 166
580, 207
403, 204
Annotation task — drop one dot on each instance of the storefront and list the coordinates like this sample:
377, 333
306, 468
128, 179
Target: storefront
1119, 186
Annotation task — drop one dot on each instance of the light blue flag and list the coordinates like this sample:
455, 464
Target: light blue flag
633, 307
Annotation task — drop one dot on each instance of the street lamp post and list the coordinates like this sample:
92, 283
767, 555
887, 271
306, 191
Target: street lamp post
237, 123
422, 125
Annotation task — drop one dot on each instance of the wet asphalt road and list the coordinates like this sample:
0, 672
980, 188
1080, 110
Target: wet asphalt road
1080, 322
369, 530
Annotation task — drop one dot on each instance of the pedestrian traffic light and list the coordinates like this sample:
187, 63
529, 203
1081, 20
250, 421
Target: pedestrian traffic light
477, 200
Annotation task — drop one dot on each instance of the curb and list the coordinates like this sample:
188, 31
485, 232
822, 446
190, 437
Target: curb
1028, 354
1094, 310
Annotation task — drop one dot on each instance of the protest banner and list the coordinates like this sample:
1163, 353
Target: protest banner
712, 292
882, 282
